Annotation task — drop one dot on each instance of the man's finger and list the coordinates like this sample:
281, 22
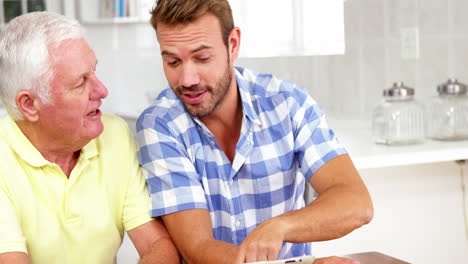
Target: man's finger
273, 253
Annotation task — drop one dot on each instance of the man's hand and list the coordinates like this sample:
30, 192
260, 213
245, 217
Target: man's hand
264, 242
335, 260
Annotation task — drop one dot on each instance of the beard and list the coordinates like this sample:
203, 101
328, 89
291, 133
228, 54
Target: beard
214, 95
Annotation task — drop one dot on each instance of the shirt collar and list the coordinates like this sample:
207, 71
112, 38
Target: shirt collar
90, 150
26, 150
245, 88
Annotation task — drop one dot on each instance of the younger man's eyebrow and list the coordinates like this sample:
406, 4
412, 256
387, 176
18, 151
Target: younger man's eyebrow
168, 53
202, 47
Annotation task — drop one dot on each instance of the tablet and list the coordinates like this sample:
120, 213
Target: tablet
298, 260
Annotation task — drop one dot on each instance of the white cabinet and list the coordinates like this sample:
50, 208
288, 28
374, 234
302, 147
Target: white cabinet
419, 215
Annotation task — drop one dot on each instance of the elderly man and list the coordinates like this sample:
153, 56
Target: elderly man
229, 150
70, 182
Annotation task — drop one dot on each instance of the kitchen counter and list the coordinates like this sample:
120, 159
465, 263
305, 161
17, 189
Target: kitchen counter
356, 135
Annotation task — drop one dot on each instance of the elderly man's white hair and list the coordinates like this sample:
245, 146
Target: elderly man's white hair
24, 56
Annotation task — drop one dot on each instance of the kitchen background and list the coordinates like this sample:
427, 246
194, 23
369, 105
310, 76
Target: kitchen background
420, 215
347, 86
421, 43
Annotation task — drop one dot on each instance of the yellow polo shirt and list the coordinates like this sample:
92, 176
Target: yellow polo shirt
77, 220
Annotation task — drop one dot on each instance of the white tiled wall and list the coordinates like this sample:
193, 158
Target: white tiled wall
347, 86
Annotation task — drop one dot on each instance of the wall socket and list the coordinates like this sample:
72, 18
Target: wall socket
409, 42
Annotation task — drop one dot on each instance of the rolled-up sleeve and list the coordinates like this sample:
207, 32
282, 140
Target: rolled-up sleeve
172, 179
315, 143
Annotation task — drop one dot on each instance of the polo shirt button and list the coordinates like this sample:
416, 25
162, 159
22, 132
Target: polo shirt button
231, 181
237, 223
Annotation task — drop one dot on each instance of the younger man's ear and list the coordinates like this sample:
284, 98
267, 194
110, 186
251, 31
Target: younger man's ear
234, 43
28, 104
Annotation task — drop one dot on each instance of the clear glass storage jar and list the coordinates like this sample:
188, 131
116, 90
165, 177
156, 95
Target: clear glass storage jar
448, 112
399, 118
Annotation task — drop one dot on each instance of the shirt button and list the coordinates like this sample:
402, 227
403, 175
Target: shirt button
231, 181
237, 223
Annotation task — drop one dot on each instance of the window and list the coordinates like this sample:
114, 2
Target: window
10, 9
289, 28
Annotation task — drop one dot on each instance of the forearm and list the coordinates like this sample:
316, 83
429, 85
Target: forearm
335, 213
162, 251
192, 233
14, 258
211, 252
343, 205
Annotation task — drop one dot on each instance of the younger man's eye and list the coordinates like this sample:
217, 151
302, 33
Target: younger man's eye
172, 62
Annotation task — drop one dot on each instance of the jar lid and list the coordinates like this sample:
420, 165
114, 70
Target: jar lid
399, 90
452, 86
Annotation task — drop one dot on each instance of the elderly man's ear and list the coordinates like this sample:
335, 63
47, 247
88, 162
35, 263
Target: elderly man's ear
28, 104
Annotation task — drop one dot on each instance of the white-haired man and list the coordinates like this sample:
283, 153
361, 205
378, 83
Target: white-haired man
70, 183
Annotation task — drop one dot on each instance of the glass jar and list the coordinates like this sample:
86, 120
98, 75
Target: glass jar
448, 112
399, 118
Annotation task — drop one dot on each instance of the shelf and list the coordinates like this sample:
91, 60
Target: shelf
356, 136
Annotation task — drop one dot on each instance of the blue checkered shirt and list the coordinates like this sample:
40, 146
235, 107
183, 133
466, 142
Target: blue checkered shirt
284, 137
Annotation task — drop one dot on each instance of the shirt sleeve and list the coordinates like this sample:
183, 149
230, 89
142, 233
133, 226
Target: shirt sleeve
11, 235
172, 178
315, 143
136, 210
